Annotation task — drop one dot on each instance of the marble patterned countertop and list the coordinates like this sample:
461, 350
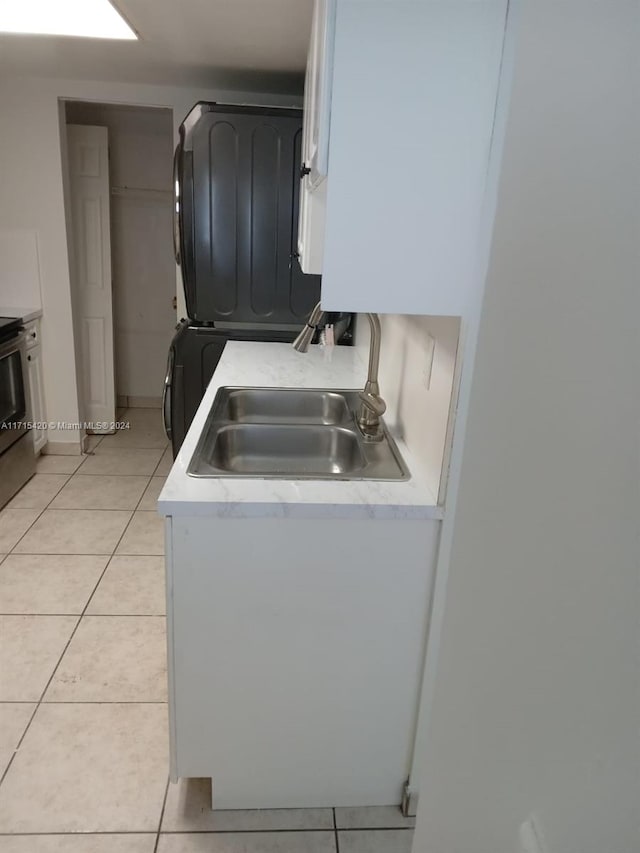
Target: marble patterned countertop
252, 363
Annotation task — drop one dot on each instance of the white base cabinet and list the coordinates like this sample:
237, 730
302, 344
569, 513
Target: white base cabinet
296, 649
36, 384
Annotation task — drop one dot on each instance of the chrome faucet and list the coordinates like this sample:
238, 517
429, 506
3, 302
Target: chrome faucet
305, 337
372, 406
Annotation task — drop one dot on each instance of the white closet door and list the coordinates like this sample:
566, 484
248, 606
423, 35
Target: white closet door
89, 181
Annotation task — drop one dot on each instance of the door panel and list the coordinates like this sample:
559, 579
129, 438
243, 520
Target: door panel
93, 347
239, 175
89, 184
266, 145
218, 243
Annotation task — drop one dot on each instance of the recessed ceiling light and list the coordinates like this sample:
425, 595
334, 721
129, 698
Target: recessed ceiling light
89, 18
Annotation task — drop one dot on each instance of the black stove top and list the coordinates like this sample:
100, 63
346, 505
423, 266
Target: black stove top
9, 326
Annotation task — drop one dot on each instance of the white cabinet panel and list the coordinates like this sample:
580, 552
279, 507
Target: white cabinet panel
414, 87
36, 391
315, 138
311, 226
317, 93
294, 682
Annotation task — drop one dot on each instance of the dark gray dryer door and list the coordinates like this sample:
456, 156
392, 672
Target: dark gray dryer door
240, 180
193, 357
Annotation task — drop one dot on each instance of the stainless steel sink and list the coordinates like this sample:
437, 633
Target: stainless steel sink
284, 450
288, 433
282, 406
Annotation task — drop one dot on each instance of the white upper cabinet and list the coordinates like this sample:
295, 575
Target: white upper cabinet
315, 137
411, 87
317, 93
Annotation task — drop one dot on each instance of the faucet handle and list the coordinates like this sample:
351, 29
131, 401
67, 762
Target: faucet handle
368, 419
374, 403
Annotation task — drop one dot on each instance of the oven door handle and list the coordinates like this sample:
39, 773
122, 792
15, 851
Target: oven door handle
166, 395
13, 345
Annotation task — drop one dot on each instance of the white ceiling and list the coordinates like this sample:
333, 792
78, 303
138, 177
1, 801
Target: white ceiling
255, 43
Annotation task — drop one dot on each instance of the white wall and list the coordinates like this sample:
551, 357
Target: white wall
417, 372
31, 197
144, 283
537, 691
19, 269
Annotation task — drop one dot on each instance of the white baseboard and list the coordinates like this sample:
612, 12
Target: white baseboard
62, 448
125, 402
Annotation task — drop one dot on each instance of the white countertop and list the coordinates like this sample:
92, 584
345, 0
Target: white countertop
25, 314
251, 363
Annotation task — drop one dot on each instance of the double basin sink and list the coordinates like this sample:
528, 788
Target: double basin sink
290, 433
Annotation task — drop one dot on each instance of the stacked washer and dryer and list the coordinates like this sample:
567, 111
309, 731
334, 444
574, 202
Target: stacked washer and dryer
237, 173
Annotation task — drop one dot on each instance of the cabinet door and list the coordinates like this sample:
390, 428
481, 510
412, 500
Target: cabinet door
311, 226
240, 199
315, 141
36, 389
317, 95
413, 100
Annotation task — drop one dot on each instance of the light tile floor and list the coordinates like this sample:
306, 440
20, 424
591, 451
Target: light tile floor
83, 720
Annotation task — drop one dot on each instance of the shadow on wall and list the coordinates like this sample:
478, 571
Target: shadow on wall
418, 380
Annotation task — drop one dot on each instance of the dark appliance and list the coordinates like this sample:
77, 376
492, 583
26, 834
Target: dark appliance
237, 185
17, 457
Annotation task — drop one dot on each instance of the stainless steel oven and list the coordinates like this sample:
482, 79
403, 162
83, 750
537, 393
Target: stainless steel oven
17, 457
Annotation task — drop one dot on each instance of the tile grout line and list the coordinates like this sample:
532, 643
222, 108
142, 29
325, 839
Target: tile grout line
149, 477
85, 702
67, 479
73, 633
44, 508
211, 831
79, 473
168, 447
75, 554
78, 833
113, 554
164, 803
97, 444
106, 509
282, 830
51, 677
335, 830
30, 480
106, 615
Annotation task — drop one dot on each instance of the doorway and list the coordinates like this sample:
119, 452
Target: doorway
140, 201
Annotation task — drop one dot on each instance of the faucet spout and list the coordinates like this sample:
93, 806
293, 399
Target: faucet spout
305, 337
372, 405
